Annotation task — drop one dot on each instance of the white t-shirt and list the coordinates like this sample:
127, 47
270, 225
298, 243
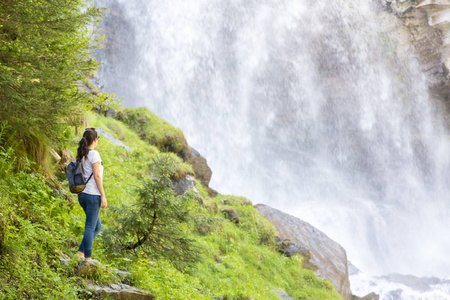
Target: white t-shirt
91, 186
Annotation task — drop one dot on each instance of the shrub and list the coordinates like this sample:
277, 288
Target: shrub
156, 223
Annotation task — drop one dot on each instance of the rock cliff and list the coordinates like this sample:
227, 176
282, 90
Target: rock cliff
428, 26
327, 256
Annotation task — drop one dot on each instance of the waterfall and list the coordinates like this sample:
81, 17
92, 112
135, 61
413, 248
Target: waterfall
310, 106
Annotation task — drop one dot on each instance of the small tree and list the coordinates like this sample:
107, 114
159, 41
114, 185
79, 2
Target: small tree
158, 223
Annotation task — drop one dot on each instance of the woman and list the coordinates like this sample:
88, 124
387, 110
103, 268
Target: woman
93, 196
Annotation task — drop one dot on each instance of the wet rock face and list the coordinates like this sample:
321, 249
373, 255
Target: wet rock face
421, 284
327, 256
428, 24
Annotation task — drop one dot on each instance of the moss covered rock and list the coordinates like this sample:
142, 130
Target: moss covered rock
154, 130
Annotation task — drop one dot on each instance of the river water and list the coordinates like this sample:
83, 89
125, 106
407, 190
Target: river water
307, 106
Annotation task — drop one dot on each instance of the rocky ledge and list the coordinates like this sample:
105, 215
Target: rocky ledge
327, 258
428, 25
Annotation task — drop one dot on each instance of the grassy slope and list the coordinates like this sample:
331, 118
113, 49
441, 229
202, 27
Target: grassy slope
238, 260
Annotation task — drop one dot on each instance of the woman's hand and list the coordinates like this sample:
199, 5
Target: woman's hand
104, 203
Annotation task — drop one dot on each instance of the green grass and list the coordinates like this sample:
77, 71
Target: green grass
237, 260
240, 261
154, 130
34, 229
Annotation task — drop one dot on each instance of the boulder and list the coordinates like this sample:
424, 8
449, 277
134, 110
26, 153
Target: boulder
184, 184
110, 113
290, 249
89, 268
211, 192
328, 257
199, 165
231, 214
112, 139
124, 275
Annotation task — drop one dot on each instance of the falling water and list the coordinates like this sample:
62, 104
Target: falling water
306, 105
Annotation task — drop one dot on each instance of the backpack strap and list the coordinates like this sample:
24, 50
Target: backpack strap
81, 169
89, 178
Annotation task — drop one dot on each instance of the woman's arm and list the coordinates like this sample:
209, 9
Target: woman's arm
98, 181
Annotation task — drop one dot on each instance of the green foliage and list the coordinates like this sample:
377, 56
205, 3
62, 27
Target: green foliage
45, 50
232, 260
238, 261
166, 281
156, 223
33, 227
154, 130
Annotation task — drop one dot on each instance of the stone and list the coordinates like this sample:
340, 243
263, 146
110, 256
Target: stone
399, 8
200, 166
88, 268
110, 113
120, 292
212, 193
64, 258
115, 286
371, 296
112, 139
329, 258
288, 248
242, 201
124, 275
231, 214
184, 184
283, 295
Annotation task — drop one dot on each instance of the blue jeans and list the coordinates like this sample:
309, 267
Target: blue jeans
91, 205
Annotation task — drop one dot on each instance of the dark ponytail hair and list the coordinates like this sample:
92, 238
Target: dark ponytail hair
88, 138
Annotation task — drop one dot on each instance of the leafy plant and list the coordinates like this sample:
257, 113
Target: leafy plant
33, 227
157, 223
